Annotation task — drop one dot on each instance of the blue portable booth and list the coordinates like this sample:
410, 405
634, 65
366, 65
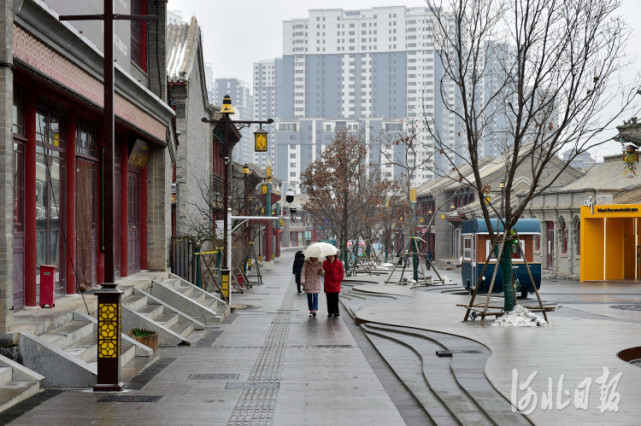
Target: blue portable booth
476, 245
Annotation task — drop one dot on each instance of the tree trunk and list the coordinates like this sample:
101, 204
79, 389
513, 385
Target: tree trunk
505, 263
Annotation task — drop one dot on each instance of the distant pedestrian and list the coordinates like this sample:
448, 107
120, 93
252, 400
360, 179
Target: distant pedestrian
429, 260
310, 279
334, 274
297, 267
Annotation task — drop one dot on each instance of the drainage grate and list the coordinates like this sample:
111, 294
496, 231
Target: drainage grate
214, 376
130, 398
209, 339
333, 346
149, 373
630, 307
285, 322
252, 385
445, 353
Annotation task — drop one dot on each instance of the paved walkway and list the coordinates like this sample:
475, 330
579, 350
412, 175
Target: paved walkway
270, 364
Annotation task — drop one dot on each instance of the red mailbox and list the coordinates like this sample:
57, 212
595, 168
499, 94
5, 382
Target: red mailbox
47, 276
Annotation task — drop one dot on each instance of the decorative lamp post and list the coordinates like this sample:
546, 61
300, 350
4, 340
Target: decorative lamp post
109, 329
228, 126
413, 237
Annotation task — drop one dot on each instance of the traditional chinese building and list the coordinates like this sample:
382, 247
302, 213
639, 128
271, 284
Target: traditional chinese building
53, 175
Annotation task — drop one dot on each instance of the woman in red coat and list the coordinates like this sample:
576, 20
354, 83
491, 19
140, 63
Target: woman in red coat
334, 274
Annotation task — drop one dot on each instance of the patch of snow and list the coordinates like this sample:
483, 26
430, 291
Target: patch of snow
520, 317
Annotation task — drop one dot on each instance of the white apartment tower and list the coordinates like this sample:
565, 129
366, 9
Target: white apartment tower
265, 106
374, 69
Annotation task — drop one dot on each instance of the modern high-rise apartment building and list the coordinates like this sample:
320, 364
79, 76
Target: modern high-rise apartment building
372, 69
243, 102
265, 105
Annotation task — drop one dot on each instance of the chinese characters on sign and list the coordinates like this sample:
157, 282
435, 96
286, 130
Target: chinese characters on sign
526, 403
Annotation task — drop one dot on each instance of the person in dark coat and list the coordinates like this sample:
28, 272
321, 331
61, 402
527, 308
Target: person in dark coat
299, 260
334, 274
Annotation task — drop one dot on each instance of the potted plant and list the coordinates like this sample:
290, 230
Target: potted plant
146, 337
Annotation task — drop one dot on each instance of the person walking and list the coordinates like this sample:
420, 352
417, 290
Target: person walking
297, 267
310, 279
334, 274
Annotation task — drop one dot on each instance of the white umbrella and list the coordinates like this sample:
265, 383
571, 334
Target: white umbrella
320, 250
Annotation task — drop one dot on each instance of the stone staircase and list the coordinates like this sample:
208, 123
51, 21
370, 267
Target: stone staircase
17, 383
190, 300
60, 351
64, 351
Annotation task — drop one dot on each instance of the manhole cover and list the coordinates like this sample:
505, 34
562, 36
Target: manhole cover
130, 398
630, 307
214, 376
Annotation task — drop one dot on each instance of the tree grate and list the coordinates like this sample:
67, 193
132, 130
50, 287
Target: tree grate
130, 398
213, 376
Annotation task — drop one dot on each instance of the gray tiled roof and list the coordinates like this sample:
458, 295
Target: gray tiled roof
182, 48
609, 175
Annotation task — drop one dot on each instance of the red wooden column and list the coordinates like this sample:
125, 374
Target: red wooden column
277, 232
100, 257
70, 207
143, 219
124, 208
30, 200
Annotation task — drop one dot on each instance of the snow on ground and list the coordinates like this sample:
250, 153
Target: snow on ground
520, 317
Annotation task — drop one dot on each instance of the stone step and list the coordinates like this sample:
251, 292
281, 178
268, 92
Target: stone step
6, 376
184, 329
151, 311
68, 334
134, 302
85, 348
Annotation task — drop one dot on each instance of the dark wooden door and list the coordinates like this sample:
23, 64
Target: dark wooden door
18, 226
134, 223
85, 226
550, 244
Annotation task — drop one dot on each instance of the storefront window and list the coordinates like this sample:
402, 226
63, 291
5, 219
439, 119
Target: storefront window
18, 114
49, 197
577, 236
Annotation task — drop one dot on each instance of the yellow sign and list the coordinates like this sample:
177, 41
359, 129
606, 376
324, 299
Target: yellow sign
263, 188
260, 142
224, 283
442, 216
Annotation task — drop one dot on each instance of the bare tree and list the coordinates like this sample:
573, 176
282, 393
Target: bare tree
533, 78
341, 187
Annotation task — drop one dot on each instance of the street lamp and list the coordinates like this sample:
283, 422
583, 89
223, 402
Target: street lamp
228, 125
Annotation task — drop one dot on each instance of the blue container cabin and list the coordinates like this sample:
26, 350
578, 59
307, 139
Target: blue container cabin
476, 245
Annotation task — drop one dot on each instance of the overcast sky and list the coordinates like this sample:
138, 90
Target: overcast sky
237, 33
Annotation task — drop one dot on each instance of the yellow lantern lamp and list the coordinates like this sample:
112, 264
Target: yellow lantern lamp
260, 140
227, 106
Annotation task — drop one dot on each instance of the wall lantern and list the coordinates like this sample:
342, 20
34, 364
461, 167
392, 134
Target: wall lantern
260, 140
246, 170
